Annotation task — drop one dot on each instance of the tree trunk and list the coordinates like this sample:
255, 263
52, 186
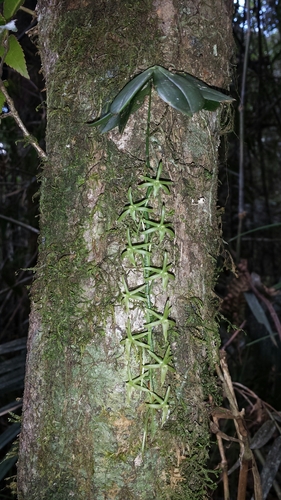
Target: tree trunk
87, 434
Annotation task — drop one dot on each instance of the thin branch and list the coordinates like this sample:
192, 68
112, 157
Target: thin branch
246, 455
234, 335
17, 119
241, 211
224, 465
28, 11
22, 224
243, 389
17, 283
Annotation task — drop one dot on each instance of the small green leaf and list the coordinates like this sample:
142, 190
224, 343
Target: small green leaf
15, 57
11, 7
130, 90
133, 106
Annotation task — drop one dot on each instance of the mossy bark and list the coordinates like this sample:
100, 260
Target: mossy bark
80, 437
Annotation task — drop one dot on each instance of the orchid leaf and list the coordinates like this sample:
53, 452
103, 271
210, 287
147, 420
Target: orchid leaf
130, 90
102, 120
107, 122
177, 91
132, 107
170, 94
207, 92
182, 91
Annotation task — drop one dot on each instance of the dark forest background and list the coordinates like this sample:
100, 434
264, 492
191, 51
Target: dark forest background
249, 267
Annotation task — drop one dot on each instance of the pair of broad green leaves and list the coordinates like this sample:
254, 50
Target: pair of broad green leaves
180, 90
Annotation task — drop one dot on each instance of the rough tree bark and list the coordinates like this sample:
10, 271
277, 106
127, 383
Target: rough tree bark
81, 438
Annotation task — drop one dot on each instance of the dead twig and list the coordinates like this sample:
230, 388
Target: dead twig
247, 459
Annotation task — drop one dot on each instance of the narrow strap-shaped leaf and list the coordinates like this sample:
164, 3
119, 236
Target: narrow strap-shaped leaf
207, 92
259, 313
188, 88
133, 106
100, 121
139, 98
263, 435
111, 123
130, 90
271, 466
106, 122
214, 95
